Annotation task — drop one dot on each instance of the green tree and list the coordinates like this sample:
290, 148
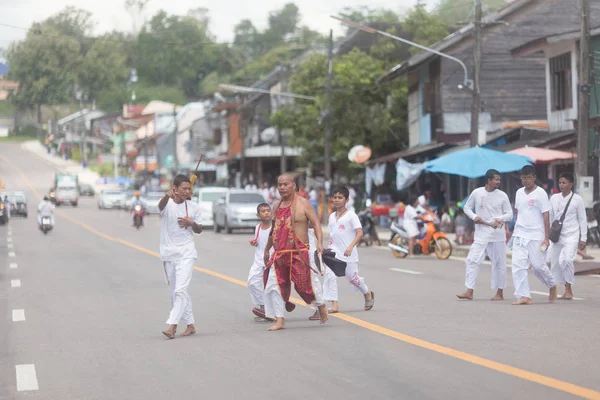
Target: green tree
426, 28
45, 65
453, 12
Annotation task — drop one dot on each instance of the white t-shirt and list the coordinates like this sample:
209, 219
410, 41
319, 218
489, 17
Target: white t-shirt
177, 243
313, 195
45, 209
262, 237
575, 223
489, 206
530, 219
341, 233
423, 200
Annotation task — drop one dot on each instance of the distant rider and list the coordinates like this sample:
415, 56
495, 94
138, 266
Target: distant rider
46, 209
135, 202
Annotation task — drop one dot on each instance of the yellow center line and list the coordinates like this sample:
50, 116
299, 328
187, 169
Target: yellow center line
557, 384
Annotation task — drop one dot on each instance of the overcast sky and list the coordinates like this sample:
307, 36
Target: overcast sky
111, 14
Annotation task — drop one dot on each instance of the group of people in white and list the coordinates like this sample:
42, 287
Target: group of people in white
546, 237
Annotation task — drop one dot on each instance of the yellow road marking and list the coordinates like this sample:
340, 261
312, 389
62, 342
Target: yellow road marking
562, 386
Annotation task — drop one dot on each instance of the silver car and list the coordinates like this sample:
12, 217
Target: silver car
236, 210
151, 201
112, 198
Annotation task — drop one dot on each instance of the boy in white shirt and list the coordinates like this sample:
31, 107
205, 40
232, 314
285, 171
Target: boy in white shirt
345, 232
531, 238
256, 284
491, 211
411, 215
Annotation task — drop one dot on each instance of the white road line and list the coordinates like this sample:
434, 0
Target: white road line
227, 239
594, 276
546, 294
18, 315
15, 283
8, 240
13, 266
9, 233
12, 254
26, 377
406, 271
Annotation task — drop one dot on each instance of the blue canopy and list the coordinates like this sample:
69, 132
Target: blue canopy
475, 161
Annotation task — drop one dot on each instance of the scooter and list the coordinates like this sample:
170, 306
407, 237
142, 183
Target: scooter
138, 216
46, 225
368, 226
430, 240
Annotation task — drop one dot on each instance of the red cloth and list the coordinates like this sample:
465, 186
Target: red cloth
290, 260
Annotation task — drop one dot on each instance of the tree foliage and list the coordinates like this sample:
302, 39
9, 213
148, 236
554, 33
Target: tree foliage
453, 12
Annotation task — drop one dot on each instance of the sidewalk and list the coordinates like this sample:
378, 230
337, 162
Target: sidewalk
67, 166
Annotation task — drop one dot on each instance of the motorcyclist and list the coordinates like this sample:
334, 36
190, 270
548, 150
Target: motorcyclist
46, 209
136, 201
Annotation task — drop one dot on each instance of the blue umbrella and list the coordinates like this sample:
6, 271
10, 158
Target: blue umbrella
475, 161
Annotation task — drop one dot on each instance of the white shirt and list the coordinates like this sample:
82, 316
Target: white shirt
341, 233
530, 219
177, 243
45, 209
575, 222
313, 195
488, 206
423, 200
262, 237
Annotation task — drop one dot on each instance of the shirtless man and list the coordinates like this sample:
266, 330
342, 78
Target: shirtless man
290, 261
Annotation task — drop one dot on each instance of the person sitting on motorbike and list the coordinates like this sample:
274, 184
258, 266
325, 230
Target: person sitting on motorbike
46, 209
411, 215
136, 201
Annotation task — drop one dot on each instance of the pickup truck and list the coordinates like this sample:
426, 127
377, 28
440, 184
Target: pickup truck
66, 192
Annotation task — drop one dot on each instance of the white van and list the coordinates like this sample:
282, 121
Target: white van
205, 199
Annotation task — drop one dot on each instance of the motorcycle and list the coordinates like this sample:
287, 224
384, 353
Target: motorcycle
3, 214
368, 226
46, 225
430, 240
138, 216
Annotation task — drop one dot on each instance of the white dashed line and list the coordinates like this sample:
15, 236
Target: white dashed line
13, 266
9, 233
12, 254
26, 377
406, 271
546, 294
227, 239
18, 315
8, 240
15, 283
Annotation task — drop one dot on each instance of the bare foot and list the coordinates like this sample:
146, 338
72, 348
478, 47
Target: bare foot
323, 313
279, 325
170, 332
468, 295
499, 296
316, 316
189, 331
553, 294
523, 301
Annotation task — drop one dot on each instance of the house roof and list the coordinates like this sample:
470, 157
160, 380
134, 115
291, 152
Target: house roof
538, 44
159, 107
451, 40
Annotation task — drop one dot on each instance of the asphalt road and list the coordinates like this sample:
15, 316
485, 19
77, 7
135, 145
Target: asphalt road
94, 300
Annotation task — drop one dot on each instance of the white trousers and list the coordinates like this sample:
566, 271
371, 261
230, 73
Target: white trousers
330, 288
524, 252
256, 285
496, 251
274, 304
562, 261
179, 274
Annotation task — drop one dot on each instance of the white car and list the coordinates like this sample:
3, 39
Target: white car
112, 198
151, 201
205, 199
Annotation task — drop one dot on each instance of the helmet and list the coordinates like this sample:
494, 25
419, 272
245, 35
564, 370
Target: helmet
45, 198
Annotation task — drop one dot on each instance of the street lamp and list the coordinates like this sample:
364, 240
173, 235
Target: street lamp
467, 83
245, 89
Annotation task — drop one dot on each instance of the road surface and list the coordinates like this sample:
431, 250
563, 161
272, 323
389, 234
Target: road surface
84, 306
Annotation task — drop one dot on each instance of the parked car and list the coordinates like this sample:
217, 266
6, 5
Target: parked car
206, 198
86, 189
112, 198
18, 203
151, 201
236, 210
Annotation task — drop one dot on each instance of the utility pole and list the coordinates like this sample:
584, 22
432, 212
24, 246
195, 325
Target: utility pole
281, 138
146, 148
584, 91
328, 129
175, 161
476, 104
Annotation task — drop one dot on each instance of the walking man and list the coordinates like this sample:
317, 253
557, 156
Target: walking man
531, 238
180, 220
489, 209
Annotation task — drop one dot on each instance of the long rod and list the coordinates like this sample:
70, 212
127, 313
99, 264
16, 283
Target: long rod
235, 88
584, 91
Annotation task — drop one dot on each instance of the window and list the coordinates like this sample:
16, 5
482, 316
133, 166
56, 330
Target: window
246, 198
560, 82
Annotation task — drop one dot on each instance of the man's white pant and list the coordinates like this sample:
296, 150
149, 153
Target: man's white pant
39, 219
330, 288
562, 261
527, 251
274, 304
179, 274
496, 251
256, 285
